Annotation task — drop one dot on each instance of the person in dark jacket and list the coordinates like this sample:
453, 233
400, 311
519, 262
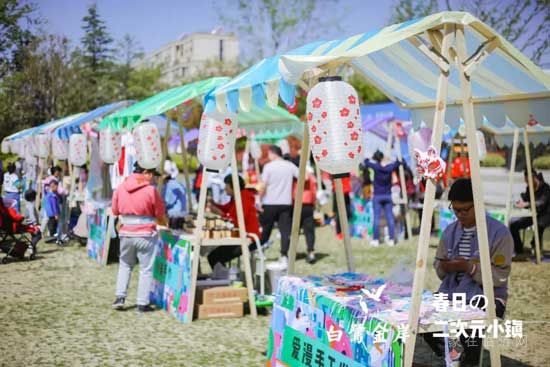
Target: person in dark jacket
542, 203
382, 195
457, 264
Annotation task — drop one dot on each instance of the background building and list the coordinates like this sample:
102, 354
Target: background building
191, 54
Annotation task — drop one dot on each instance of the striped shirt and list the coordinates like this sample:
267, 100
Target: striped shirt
465, 247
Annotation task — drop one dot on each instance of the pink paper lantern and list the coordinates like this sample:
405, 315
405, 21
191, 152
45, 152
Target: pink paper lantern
334, 121
42, 145
78, 150
60, 148
217, 135
110, 145
148, 146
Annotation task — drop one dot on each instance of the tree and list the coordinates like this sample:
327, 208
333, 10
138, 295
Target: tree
96, 41
16, 32
128, 50
367, 92
525, 23
268, 27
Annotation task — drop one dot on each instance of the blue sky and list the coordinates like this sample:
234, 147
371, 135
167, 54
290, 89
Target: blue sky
154, 23
157, 22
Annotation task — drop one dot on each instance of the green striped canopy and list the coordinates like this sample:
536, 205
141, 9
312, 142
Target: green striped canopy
129, 117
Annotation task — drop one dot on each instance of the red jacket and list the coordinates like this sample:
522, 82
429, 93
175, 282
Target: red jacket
251, 223
310, 190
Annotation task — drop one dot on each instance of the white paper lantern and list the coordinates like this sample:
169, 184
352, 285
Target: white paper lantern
5, 146
60, 148
334, 120
42, 145
481, 147
216, 140
29, 148
110, 146
78, 150
147, 145
255, 150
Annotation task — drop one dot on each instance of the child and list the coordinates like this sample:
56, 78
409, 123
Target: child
52, 207
31, 219
12, 186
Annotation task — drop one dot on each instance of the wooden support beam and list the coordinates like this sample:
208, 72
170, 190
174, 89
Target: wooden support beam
480, 55
511, 176
242, 235
532, 206
404, 197
188, 190
431, 53
343, 217
427, 213
508, 98
297, 210
477, 188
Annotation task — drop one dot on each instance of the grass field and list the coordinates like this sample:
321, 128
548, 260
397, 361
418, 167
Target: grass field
55, 311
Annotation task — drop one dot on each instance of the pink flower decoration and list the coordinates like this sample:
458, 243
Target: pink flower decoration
350, 125
309, 116
219, 128
344, 112
313, 128
351, 99
316, 103
221, 146
359, 149
324, 153
354, 136
228, 122
351, 155
317, 139
324, 114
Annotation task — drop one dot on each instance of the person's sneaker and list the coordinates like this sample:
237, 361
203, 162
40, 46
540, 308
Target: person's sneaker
391, 243
283, 262
118, 304
521, 257
374, 243
144, 308
310, 257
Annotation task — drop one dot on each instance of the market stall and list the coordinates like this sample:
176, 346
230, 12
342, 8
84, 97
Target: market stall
445, 62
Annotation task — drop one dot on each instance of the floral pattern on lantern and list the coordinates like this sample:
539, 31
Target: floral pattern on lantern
60, 148
42, 145
147, 144
334, 121
216, 140
110, 145
78, 150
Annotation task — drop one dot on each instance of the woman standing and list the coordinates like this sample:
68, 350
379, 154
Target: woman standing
382, 195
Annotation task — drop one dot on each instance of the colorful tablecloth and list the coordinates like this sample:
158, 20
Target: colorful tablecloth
172, 275
321, 321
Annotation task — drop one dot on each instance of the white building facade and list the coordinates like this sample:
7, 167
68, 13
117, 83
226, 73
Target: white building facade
191, 54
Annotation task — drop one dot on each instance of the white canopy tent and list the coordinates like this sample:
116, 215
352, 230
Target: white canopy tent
446, 62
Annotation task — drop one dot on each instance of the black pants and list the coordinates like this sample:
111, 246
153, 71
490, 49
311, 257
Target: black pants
335, 209
472, 346
307, 223
52, 226
224, 254
522, 223
282, 214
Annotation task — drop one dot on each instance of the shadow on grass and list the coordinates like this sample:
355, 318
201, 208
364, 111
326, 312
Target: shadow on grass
318, 256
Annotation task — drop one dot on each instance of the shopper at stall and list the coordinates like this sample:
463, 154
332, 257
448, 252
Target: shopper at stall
52, 207
173, 194
223, 254
542, 204
277, 177
139, 207
12, 186
457, 261
382, 200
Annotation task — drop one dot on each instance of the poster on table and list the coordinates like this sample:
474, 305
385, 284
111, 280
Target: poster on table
98, 244
361, 222
172, 275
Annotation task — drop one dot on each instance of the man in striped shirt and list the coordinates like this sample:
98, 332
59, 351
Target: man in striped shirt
457, 258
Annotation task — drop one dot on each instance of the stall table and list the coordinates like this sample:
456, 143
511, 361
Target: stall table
319, 321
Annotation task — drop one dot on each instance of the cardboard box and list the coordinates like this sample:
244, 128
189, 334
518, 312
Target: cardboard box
219, 295
222, 310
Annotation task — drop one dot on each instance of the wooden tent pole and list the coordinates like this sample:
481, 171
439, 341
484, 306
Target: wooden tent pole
343, 217
242, 235
197, 244
511, 176
403, 185
297, 210
429, 202
477, 187
532, 205
185, 169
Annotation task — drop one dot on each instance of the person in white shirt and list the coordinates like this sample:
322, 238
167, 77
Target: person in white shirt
277, 178
12, 186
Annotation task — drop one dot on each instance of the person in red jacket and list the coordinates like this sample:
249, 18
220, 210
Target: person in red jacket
139, 207
346, 187
223, 254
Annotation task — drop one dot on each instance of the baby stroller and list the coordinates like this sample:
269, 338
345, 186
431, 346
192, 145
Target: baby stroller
14, 239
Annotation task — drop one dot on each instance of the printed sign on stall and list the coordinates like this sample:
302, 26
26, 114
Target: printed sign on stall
97, 245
